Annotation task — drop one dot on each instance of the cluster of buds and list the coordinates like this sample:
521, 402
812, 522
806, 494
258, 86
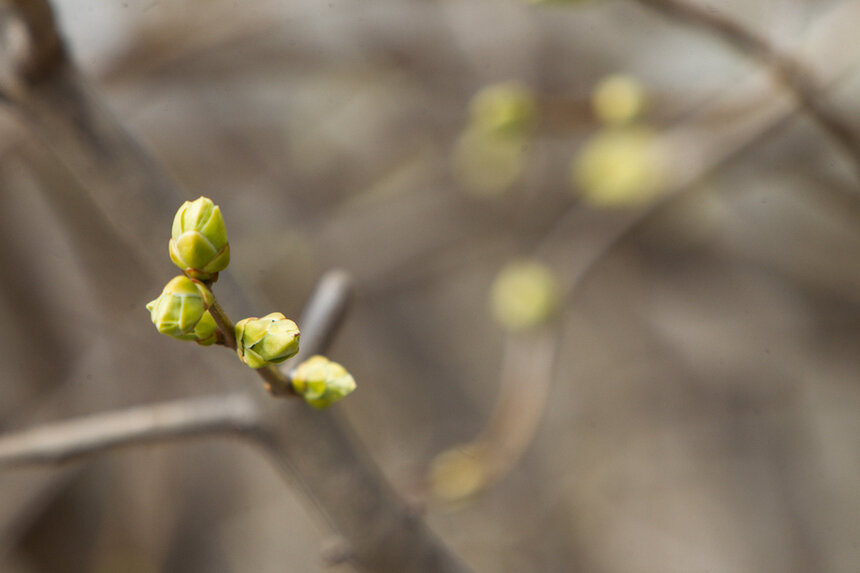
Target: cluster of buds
184, 310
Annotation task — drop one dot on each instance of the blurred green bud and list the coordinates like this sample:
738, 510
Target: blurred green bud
624, 166
525, 294
321, 382
458, 474
198, 243
268, 340
181, 311
507, 108
488, 164
618, 99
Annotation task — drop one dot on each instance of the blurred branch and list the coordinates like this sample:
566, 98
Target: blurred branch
313, 449
790, 72
233, 414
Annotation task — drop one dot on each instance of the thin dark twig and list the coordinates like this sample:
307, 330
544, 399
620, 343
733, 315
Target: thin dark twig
791, 73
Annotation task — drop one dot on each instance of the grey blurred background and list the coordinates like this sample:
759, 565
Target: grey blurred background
701, 414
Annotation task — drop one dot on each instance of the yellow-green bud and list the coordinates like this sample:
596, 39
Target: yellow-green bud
507, 108
486, 163
618, 99
459, 473
321, 382
524, 295
181, 311
621, 166
268, 340
198, 243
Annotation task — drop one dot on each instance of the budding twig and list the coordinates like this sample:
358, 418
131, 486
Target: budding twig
231, 414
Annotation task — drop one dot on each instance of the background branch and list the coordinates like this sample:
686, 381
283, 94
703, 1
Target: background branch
233, 414
790, 72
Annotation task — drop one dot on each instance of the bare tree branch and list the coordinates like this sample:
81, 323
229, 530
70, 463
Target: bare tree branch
233, 414
790, 72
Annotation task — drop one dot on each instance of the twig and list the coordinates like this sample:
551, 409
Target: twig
790, 72
324, 313
233, 414
225, 325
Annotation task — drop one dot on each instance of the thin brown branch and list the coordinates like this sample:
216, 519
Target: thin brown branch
790, 72
324, 313
232, 414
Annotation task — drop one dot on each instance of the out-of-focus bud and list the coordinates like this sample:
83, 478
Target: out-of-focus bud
198, 243
268, 340
525, 294
618, 99
321, 382
621, 167
181, 311
458, 474
507, 108
488, 164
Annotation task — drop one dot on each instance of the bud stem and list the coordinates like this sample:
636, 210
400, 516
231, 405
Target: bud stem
225, 325
276, 382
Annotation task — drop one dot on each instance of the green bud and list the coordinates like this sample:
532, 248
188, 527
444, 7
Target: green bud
321, 382
181, 311
524, 295
268, 340
506, 109
198, 243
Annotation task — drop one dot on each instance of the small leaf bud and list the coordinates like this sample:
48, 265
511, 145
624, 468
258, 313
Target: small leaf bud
506, 108
181, 311
321, 382
268, 340
198, 243
525, 294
